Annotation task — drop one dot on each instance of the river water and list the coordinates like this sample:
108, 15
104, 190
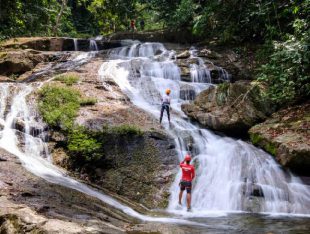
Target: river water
233, 177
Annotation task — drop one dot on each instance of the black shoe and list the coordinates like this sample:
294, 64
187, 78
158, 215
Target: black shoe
189, 209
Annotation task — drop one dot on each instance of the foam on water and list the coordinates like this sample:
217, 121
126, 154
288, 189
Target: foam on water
229, 171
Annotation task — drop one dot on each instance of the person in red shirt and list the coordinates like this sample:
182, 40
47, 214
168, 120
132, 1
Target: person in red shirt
188, 174
133, 25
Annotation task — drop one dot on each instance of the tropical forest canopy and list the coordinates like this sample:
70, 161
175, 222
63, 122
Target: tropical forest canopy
281, 27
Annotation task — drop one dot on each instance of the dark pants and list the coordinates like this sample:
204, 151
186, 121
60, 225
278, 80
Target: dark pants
163, 108
186, 185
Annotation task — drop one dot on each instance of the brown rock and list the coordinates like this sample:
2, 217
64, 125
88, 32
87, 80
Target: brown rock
286, 136
232, 108
18, 62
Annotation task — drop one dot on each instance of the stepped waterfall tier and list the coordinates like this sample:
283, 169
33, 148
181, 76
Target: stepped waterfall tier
232, 175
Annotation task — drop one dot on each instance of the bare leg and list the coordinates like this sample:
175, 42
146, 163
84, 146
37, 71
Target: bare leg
180, 196
188, 199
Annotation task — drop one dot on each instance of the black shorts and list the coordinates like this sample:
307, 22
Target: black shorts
186, 185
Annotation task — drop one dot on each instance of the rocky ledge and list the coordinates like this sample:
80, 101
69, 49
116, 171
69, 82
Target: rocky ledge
58, 44
230, 107
286, 135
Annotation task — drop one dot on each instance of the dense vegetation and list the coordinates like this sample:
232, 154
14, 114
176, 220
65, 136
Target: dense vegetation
280, 27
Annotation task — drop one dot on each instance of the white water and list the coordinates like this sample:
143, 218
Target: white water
32, 151
76, 46
93, 45
201, 73
227, 169
217, 156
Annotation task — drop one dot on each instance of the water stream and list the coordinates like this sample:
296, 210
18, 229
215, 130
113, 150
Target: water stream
228, 170
93, 45
31, 150
232, 175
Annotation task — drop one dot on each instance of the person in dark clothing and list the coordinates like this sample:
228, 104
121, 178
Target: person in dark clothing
165, 105
142, 24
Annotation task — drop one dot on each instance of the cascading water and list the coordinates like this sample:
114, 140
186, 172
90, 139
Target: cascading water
93, 45
31, 148
232, 175
76, 46
200, 71
225, 179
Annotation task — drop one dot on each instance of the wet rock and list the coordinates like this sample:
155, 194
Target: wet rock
186, 137
104, 45
183, 55
33, 130
257, 191
187, 92
231, 108
286, 136
207, 53
252, 204
5, 79
185, 74
186, 78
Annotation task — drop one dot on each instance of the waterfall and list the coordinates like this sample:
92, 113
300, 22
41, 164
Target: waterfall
232, 175
76, 46
32, 149
201, 73
93, 45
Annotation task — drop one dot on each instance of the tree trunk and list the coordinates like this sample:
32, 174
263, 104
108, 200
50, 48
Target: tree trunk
63, 6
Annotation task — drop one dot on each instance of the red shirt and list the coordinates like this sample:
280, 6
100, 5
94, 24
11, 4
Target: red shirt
188, 171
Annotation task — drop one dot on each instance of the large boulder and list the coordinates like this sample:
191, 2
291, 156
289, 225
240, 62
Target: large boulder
230, 107
19, 62
286, 136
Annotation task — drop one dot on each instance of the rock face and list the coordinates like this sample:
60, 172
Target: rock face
286, 135
139, 168
230, 107
29, 204
18, 62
